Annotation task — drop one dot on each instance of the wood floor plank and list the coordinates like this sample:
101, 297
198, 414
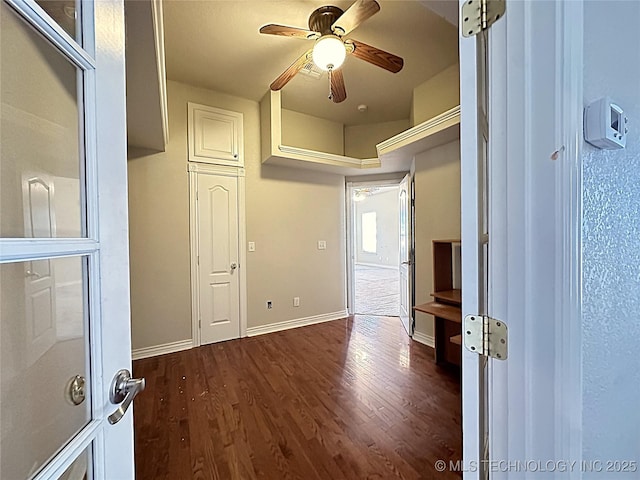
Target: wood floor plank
348, 399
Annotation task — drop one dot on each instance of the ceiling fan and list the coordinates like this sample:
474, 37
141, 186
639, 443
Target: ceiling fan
328, 26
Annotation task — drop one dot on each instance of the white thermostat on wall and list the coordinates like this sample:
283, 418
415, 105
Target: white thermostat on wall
605, 124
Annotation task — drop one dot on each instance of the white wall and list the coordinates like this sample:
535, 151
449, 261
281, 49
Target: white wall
386, 206
611, 243
287, 212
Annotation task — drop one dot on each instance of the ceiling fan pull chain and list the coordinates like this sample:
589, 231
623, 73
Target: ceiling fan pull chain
330, 90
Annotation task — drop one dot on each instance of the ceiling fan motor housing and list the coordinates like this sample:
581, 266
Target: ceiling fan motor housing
322, 18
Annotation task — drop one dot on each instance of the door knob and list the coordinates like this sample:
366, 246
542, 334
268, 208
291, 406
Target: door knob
407, 263
123, 390
234, 266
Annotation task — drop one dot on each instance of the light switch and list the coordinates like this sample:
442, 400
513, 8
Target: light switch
322, 244
252, 246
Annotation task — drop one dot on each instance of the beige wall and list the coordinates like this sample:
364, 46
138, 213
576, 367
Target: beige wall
436, 95
437, 185
287, 211
312, 133
385, 205
360, 140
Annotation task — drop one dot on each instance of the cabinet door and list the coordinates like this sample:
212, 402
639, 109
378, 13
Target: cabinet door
215, 136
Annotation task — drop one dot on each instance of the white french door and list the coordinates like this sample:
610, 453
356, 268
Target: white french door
406, 255
64, 278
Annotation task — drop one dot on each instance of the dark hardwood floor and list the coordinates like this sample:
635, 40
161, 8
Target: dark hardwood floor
352, 398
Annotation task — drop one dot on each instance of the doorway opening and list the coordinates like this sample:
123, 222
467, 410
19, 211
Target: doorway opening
374, 248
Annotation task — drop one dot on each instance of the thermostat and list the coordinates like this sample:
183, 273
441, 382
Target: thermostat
605, 124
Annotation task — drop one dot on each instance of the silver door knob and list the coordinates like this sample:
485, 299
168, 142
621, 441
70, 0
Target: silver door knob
407, 263
123, 390
234, 266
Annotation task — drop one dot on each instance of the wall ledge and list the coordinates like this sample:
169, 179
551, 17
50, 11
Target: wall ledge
295, 323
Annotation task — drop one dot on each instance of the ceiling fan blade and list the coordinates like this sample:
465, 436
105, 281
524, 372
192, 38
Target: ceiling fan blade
290, 72
338, 90
286, 31
354, 16
375, 56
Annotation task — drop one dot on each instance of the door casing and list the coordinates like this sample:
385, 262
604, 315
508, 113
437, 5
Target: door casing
350, 233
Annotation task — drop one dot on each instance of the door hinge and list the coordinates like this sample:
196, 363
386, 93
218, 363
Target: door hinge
479, 15
486, 336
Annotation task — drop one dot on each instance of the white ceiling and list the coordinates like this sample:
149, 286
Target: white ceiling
215, 44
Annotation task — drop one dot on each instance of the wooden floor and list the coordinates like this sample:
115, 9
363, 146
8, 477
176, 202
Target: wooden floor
352, 398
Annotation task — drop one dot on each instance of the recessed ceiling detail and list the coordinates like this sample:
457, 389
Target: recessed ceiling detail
216, 45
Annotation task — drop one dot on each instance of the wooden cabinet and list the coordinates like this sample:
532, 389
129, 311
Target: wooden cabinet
446, 306
215, 136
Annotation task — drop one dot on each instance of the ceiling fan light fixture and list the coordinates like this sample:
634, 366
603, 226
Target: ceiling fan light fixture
329, 52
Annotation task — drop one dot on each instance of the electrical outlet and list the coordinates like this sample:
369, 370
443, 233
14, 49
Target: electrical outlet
322, 244
269, 305
296, 301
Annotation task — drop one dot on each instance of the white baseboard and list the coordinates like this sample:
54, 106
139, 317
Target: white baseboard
427, 340
295, 323
163, 349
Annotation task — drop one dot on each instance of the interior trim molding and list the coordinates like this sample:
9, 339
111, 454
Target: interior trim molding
295, 323
423, 338
154, 351
212, 169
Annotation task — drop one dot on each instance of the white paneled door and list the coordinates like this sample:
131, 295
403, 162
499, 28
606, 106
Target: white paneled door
218, 258
64, 277
406, 255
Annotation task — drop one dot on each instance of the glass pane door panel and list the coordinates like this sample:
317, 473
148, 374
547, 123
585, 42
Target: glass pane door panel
81, 468
41, 136
44, 360
65, 13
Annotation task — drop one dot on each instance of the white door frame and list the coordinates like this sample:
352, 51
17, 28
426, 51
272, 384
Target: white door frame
534, 260
194, 170
350, 233
107, 241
